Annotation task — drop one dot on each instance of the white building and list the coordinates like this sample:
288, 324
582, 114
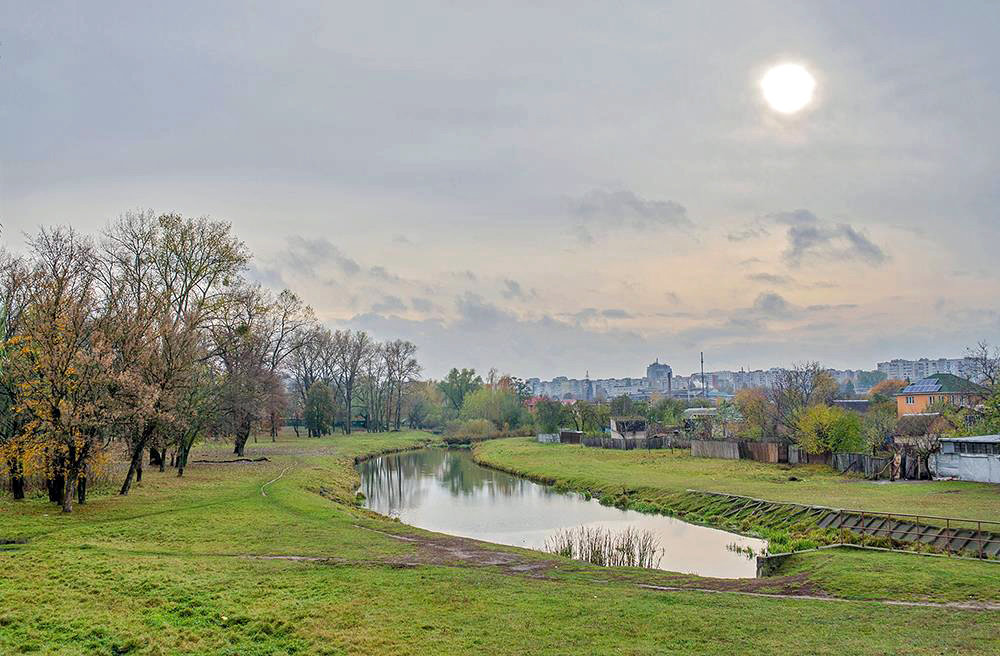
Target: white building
917, 369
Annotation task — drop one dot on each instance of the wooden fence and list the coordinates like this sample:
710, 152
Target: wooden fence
726, 449
630, 443
799, 456
871, 466
740, 450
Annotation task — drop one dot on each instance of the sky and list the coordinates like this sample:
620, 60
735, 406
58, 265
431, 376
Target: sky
544, 188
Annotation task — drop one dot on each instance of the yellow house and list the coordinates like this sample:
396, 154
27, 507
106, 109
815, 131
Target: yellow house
916, 397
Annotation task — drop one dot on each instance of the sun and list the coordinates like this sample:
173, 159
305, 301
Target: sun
788, 88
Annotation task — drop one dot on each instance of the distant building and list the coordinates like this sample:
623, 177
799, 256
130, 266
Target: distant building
916, 397
910, 370
659, 377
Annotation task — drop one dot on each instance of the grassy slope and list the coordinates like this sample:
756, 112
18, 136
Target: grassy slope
165, 571
654, 475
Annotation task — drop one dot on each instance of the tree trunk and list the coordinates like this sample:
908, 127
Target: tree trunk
348, 400
155, 457
16, 478
69, 489
182, 456
58, 481
135, 467
242, 435
81, 490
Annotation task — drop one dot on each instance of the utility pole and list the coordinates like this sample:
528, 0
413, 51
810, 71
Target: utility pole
704, 392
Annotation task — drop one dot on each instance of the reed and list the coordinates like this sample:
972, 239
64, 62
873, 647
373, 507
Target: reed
630, 547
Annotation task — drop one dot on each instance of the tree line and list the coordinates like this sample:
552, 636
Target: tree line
147, 337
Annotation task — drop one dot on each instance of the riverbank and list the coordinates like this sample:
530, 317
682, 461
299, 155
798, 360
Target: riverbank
214, 564
660, 482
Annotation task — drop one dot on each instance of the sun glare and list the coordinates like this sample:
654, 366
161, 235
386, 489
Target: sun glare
788, 88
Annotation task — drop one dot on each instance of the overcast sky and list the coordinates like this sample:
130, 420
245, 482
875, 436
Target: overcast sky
544, 189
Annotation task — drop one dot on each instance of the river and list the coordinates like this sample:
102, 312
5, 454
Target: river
444, 490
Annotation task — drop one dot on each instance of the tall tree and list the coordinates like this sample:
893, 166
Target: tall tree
457, 384
176, 274
350, 351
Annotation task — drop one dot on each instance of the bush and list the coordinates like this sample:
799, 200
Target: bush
469, 428
827, 429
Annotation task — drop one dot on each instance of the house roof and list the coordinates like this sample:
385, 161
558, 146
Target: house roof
916, 424
995, 439
700, 412
943, 384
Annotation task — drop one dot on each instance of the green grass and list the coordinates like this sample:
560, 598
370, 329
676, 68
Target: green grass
861, 574
655, 476
174, 568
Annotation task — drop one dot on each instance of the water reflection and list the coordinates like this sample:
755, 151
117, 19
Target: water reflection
444, 490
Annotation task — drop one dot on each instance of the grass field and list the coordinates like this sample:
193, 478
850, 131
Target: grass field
211, 564
655, 475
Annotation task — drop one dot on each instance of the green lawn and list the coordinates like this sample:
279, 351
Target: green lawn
180, 567
655, 475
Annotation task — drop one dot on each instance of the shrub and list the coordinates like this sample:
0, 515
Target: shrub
827, 429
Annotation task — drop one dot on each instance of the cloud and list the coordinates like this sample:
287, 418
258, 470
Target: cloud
401, 239
794, 217
810, 237
598, 210
770, 304
770, 278
512, 290
672, 297
753, 230
389, 304
822, 307
839, 242
383, 274
267, 276
422, 304
305, 256
593, 314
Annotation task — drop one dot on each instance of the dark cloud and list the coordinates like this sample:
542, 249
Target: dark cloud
389, 304
401, 239
306, 256
422, 304
770, 278
753, 230
770, 304
512, 290
599, 210
809, 237
267, 276
593, 314
794, 218
822, 307
383, 274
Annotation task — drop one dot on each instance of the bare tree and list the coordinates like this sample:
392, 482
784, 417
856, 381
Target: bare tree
253, 340
350, 351
15, 291
985, 363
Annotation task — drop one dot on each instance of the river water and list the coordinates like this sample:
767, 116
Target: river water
444, 490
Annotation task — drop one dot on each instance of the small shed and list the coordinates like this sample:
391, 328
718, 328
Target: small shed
969, 458
628, 426
570, 436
